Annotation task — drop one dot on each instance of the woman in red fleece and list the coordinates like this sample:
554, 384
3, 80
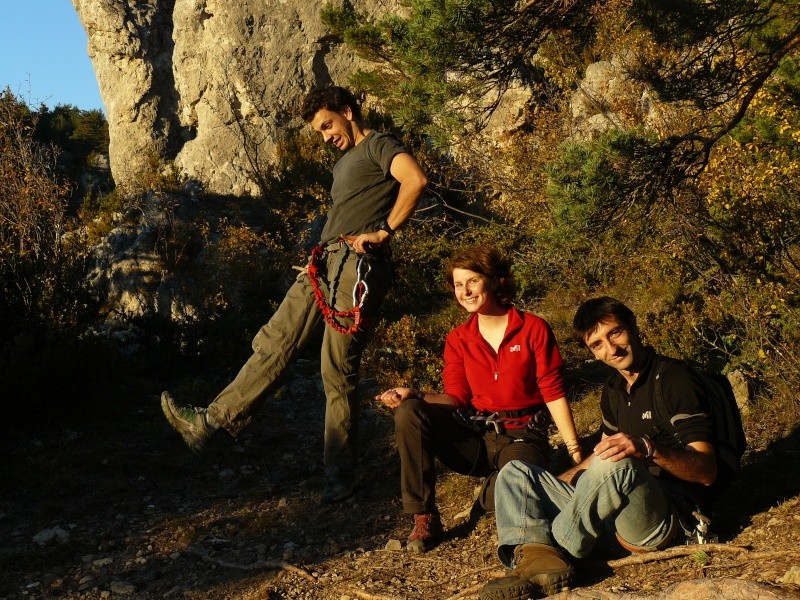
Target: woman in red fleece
503, 384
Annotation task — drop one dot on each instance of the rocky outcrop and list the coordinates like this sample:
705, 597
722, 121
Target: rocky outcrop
129, 275
131, 47
607, 98
212, 86
209, 85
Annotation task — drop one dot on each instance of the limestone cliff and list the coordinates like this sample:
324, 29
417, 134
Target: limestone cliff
209, 85
212, 86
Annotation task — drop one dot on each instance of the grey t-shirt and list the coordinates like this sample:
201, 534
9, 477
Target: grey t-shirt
363, 190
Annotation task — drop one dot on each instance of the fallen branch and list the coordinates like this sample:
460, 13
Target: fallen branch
477, 587
646, 557
468, 591
368, 596
755, 556
498, 572
259, 565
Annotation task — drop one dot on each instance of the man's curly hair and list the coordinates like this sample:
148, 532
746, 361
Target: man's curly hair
330, 97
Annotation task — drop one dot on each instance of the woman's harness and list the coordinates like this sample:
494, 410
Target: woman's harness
360, 291
534, 418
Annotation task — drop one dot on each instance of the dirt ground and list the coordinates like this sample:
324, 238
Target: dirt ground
116, 506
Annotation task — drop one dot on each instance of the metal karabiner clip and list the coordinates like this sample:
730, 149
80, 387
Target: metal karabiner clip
361, 289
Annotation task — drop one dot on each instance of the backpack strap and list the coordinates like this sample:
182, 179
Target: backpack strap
662, 415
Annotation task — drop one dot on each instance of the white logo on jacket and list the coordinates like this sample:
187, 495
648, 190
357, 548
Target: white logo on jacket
647, 415
515, 348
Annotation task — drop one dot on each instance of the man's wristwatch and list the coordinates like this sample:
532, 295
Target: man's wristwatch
385, 227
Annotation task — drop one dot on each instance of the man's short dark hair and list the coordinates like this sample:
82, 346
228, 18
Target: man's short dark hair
330, 97
598, 310
488, 262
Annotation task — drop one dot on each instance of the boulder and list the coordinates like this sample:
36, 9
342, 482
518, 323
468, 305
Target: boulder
726, 588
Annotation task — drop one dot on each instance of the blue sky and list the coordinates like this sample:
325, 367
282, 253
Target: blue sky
43, 55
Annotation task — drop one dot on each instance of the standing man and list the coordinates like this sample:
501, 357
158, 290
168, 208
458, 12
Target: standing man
639, 482
376, 187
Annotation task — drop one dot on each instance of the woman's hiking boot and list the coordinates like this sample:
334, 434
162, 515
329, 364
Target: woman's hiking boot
542, 566
192, 423
427, 529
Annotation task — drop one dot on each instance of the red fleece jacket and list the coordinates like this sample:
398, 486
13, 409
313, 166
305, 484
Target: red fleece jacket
526, 371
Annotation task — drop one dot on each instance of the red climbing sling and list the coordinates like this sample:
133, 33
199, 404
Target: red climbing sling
329, 313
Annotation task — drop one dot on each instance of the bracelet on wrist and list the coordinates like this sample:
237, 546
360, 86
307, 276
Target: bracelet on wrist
649, 449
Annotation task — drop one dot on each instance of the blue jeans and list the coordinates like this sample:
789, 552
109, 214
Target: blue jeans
534, 506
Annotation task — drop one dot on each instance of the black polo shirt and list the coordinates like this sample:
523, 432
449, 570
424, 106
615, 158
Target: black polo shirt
634, 413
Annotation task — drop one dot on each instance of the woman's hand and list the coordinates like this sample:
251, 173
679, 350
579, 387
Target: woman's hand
574, 451
396, 396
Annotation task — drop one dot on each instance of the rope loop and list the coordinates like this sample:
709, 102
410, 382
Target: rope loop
329, 313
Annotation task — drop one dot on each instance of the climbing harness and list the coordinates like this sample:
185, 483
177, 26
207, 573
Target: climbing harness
538, 421
360, 291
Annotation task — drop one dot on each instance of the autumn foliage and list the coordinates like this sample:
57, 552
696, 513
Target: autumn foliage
684, 201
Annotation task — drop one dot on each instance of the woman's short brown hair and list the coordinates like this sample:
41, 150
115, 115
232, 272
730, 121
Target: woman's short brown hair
486, 261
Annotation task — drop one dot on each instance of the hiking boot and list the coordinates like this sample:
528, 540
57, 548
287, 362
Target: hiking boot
191, 423
427, 529
339, 487
508, 588
542, 565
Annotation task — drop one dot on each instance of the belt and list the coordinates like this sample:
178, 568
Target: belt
538, 418
384, 250
516, 414
336, 244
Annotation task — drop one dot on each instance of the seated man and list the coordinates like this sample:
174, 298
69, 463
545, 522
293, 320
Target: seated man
638, 480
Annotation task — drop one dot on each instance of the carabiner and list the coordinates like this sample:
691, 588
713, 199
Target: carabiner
361, 283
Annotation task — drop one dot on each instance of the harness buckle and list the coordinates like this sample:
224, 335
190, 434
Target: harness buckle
702, 531
494, 421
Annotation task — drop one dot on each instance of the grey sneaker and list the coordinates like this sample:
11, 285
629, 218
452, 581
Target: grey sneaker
339, 487
190, 422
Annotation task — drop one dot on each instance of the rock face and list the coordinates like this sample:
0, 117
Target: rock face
130, 277
608, 98
206, 84
212, 86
